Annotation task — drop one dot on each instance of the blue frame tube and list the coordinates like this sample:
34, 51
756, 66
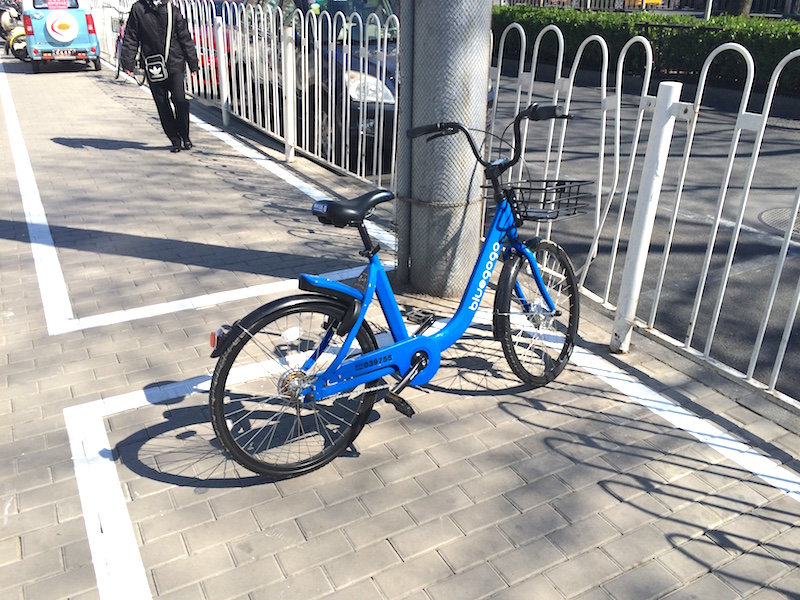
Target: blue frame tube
343, 375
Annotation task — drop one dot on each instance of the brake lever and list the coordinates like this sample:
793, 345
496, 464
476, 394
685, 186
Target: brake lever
448, 131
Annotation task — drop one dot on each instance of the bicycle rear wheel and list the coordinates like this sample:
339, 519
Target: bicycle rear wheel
256, 409
537, 343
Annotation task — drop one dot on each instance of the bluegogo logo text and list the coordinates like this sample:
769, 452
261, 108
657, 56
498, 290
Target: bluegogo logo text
485, 277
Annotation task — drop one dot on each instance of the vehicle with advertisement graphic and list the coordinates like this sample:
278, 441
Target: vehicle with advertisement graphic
60, 30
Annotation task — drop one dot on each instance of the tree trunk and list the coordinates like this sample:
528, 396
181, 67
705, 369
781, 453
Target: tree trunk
740, 7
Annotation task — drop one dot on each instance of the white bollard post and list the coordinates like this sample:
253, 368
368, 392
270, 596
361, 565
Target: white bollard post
222, 71
289, 93
644, 215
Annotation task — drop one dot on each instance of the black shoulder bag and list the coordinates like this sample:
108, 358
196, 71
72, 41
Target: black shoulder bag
155, 66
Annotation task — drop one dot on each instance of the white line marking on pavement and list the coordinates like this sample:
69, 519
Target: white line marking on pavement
115, 553
743, 455
53, 288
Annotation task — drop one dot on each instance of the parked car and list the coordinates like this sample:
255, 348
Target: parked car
60, 30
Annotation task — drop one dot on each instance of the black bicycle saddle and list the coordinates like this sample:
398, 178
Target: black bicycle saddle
352, 211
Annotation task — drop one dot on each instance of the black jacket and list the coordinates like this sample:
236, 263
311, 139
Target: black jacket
147, 27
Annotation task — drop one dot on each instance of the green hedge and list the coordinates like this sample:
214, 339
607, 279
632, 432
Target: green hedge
679, 51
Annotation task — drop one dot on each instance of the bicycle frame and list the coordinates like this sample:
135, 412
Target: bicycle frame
344, 374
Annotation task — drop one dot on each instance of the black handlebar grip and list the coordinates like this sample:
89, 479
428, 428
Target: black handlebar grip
535, 112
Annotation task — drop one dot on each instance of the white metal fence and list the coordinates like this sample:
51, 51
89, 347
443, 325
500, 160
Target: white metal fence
729, 302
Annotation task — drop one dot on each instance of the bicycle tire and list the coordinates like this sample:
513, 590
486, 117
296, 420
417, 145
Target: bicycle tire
537, 345
118, 56
253, 414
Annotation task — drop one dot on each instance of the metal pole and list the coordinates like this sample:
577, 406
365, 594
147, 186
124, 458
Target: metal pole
644, 214
289, 93
708, 9
222, 71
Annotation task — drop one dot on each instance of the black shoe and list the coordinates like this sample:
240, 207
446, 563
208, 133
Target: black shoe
187, 144
176, 149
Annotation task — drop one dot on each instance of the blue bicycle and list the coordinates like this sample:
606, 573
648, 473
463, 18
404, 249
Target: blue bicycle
297, 378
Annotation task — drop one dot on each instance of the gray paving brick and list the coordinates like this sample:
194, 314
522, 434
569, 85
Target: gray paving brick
64, 585
60, 534
687, 523
532, 524
364, 590
742, 533
644, 582
749, 572
308, 586
223, 530
281, 509
585, 502
438, 504
595, 568
541, 466
425, 538
492, 484
195, 568
361, 564
445, 454
173, 522
349, 488
634, 513
402, 579
163, 550
478, 582
331, 517
461, 472
583, 535
527, 560
392, 496
245, 578
267, 542
484, 514
16, 574
379, 527
537, 587
474, 549
705, 587
498, 457
404, 468
314, 552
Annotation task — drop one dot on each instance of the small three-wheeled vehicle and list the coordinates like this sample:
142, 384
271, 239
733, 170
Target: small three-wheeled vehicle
60, 30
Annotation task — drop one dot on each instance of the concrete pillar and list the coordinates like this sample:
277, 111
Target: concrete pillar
445, 54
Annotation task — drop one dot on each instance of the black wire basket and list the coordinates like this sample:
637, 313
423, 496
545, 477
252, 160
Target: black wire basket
547, 199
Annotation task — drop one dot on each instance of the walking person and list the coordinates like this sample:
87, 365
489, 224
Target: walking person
148, 26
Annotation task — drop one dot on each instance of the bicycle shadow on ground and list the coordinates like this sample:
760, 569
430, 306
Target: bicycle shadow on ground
182, 450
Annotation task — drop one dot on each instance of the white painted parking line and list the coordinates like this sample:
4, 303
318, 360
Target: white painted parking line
53, 288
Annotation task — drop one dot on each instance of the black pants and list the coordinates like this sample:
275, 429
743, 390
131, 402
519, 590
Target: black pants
175, 123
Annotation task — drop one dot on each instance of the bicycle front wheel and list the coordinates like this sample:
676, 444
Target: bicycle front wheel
257, 410
537, 342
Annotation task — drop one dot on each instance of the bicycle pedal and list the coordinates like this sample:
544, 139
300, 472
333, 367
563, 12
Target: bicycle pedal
399, 404
418, 316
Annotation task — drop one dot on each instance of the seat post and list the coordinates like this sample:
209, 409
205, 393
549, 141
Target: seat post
369, 250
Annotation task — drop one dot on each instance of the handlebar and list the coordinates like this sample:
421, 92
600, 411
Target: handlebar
534, 112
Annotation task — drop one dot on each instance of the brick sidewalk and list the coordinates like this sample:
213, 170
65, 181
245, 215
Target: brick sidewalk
582, 489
